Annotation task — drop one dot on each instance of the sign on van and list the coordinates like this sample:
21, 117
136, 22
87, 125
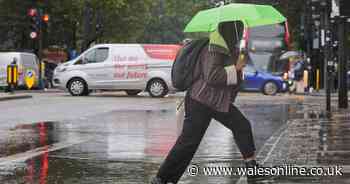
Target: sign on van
130, 71
3, 76
165, 52
30, 78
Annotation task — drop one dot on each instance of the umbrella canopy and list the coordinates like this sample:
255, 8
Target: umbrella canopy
252, 15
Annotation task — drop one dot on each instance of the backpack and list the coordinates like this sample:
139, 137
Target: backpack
184, 64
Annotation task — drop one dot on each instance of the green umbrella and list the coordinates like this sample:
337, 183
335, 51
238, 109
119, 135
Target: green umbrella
252, 15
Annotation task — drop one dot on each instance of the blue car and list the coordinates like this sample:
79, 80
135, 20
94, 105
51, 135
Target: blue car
258, 80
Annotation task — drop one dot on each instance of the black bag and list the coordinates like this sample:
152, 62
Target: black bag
184, 64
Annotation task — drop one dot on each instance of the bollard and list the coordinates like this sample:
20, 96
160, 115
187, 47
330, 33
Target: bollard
306, 80
41, 75
12, 77
317, 80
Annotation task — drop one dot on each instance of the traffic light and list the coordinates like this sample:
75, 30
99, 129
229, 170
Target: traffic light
34, 23
46, 18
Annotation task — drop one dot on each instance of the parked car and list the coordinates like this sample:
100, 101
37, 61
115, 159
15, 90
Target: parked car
259, 80
124, 67
28, 63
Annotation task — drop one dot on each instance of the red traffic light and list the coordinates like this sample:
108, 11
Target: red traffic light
46, 18
32, 12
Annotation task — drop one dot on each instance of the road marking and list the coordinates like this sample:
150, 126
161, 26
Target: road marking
243, 179
22, 157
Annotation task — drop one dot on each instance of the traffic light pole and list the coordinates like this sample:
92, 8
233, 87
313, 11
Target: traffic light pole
40, 50
87, 23
343, 88
327, 54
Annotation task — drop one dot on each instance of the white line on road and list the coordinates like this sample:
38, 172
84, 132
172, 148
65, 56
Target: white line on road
22, 157
242, 179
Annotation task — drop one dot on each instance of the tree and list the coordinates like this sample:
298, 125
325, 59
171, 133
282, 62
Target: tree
169, 19
149, 21
13, 27
123, 20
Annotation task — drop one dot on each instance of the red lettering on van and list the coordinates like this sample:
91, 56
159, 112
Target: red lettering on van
137, 75
158, 51
119, 58
119, 75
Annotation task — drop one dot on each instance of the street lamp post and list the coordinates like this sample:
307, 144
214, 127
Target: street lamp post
344, 12
343, 88
326, 41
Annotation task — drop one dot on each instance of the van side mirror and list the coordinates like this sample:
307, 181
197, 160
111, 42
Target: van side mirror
85, 60
81, 61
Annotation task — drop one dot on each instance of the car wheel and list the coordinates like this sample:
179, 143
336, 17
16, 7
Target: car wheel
157, 88
133, 92
270, 88
78, 87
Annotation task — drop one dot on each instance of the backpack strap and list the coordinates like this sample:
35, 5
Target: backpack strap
203, 44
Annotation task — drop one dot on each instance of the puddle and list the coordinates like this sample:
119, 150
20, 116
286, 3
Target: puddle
26, 137
128, 146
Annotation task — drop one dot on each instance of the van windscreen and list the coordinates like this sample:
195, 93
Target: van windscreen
268, 31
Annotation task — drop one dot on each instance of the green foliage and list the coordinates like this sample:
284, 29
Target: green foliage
12, 24
169, 19
149, 21
123, 20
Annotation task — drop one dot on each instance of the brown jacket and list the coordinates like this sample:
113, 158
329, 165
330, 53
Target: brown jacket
213, 88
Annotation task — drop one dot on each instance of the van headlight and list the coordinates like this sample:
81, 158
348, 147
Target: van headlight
61, 69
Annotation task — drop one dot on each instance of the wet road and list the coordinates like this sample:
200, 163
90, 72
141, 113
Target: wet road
113, 139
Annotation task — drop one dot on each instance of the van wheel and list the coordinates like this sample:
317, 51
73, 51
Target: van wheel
157, 88
78, 87
270, 88
133, 92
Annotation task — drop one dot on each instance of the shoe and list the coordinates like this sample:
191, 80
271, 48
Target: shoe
253, 164
157, 180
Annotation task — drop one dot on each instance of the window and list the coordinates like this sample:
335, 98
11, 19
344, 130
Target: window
268, 38
28, 60
261, 61
262, 44
268, 62
98, 55
268, 31
249, 69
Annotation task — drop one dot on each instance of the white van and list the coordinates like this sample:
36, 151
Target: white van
125, 67
27, 63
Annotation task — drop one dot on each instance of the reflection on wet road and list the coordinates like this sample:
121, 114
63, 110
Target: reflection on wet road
125, 146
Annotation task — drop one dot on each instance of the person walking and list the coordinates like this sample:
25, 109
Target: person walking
211, 97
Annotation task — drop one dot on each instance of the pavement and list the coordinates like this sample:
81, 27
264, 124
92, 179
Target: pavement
13, 96
112, 138
318, 140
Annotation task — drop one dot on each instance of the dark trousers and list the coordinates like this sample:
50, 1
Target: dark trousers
197, 120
